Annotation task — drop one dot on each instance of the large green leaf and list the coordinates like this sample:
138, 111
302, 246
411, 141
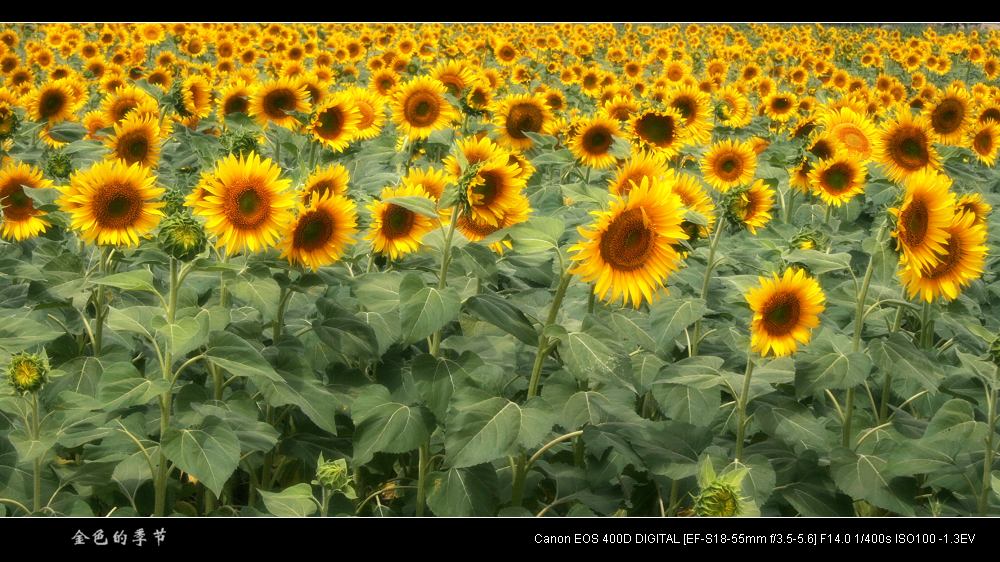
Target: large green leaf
436, 378
420, 205
17, 334
820, 262
830, 363
424, 310
384, 425
463, 492
234, 354
503, 315
897, 355
134, 280
210, 452
480, 429
590, 359
669, 317
294, 501
864, 477
121, 386
261, 293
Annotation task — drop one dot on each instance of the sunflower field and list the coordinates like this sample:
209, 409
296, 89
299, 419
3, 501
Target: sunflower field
498, 269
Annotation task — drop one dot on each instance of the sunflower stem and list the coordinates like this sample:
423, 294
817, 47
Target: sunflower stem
673, 503
422, 465
543, 340
435, 345
741, 403
789, 204
224, 298
706, 281
859, 324
926, 326
991, 419
99, 311
36, 475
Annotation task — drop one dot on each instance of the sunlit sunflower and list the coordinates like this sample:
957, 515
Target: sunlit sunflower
335, 122
197, 96
126, 99
272, 101
321, 231
852, 131
728, 164
475, 230
984, 140
950, 114
960, 264
493, 190
923, 218
694, 107
642, 164
974, 203
785, 309
780, 106
396, 230
516, 115
751, 207
838, 179
20, 218
371, 109
455, 75
473, 151
695, 198
136, 140
245, 204
112, 203
330, 179
234, 98
52, 102
593, 141
628, 251
661, 130
732, 108
419, 108
903, 146
620, 107
431, 180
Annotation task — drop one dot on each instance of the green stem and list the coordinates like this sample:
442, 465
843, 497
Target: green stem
859, 324
435, 345
675, 490
37, 472
218, 381
742, 405
705, 282
422, 465
277, 325
100, 314
224, 297
543, 340
788, 206
166, 370
984, 494
926, 326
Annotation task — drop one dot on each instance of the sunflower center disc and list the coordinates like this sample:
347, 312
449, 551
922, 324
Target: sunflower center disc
523, 117
487, 191
656, 129
313, 231
628, 242
422, 109
398, 222
781, 314
278, 102
914, 220
16, 204
836, 179
597, 142
330, 123
949, 260
914, 155
248, 202
983, 143
947, 116
51, 104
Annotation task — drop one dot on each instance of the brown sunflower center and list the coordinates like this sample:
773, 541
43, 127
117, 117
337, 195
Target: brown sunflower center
837, 178
117, 206
397, 222
990, 113
133, 147
947, 117
422, 109
50, 103
781, 314
524, 117
121, 108
951, 258
313, 230
597, 141
330, 123
489, 189
685, 106
278, 101
908, 148
729, 167
781, 104
247, 207
983, 142
17, 206
656, 129
914, 220
236, 104
628, 242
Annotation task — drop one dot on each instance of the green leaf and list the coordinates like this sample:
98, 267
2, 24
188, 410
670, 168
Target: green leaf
420, 205
232, 353
688, 404
384, 425
294, 501
378, 292
829, 363
134, 280
503, 315
186, 334
897, 355
669, 318
593, 407
862, 476
540, 234
29, 449
424, 310
820, 262
317, 403
67, 131
589, 359
481, 430
634, 329
463, 492
121, 386
17, 334
134, 319
436, 378
209, 452
263, 293
536, 423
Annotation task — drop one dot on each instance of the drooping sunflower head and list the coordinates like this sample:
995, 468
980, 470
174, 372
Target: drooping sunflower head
321, 232
838, 179
904, 146
136, 140
960, 264
330, 179
20, 218
923, 218
371, 109
750, 207
629, 249
419, 107
974, 203
729, 164
593, 142
661, 130
852, 131
276, 100
984, 140
113, 203
336, 122
245, 203
431, 180
196, 94
493, 189
520, 114
396, 230
785, 309
950, 114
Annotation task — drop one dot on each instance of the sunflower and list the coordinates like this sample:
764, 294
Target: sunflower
984, 140
383, 82
903, 146
961, 263
728, 164
20, 218
245, 203
732, 108
335, 122
197, 96
419, 107
779, 106
695, 198
493, 190
136, 140
52, 102
593, 142
694, 107
126, 99
516, 115
785, 309
235, 98
661, 130
112, 203
473, 151
620, 107
973, 203
431, 180
396, 230
331, 179
852, 131
642, 164
371, 109
321, 231
455, 75
272, 101
628, 251
923, 219
752, 206
838, 179
475, 230
950, 114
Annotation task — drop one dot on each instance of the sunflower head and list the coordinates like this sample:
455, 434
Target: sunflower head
419, 107
520, 114
20, 218
904, 146
839, 179
729, 164
923, 217
277, 102
136, 140
336, 122
950, 114
58, 164
960, 263
395, 229
322, 231
594, 140
333, 475
851, 130
332, 179
984, 140
750, 207
785, 309
975, 204
660, 130
808, 239
721, 495
182, 236
27, 372
9, 122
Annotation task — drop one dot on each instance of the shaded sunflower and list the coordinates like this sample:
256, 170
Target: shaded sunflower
196, 94
785, 309
838, 179
661, 130
20, 218
419, 108
593, 142
245, 203
272, 101
371, 109
923, 218
475, 230
396, 230
431, 180
136, 140
984, 139
321, 232
974, 203
516, 115
728, 164
751, 207
903, 146
695, 198
494, 189
960, 264
628, 251
642, 164
235, 98
852, 131
335, 122
950, 114
112, 203
330, 179
480, 96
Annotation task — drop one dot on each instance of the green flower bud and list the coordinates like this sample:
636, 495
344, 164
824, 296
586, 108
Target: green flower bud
239, 143
58, 164
27, 372
333, 475
182, 236
174, 200
808, 239
718, 499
